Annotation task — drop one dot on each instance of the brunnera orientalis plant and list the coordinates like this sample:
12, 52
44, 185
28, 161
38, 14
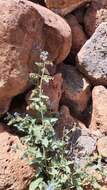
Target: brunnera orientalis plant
54, 168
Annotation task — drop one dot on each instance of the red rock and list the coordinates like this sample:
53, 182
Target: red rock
79, 14
77, 40
65, 121
26, 29
4, 105
66, 6
76, 89
54, 91
95, 15
56, 33
15, 173
99, 112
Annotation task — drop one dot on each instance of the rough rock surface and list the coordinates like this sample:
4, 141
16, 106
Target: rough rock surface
25, 30
63, 7
95, 15
82, 144
99, 112
65, 121
56, 34
102, 146
15, 173
92, 58
76, 89
78, 36
54, 91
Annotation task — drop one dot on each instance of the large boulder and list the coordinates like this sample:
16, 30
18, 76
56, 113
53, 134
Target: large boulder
56, 34
26, 29
92, 58
64, 7
95, 15
76, 89
15, 173
99, 112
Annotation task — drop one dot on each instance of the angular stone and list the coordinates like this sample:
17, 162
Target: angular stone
99, 112
64, 7
82, 144
92, 58
87, 143
76, 89
65, 122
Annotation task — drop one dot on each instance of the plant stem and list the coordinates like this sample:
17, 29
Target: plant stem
40, 91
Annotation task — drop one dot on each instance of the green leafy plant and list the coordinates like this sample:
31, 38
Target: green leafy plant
54, 167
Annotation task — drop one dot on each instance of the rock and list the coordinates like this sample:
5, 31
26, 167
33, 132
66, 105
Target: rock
77, 41
95, 173
54, 91
56, 34
104, 188
65, 122
76, 89
64, 7
4, 105
92, 58
82, 144
26, 29
87, 143
99, 112
102, 146
15, 173
95, 15
79, 14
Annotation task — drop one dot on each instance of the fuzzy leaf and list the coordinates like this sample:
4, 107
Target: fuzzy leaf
35, 184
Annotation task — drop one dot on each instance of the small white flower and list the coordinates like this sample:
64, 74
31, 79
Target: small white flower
44, 55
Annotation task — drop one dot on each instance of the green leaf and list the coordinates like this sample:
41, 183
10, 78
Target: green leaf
35, 184
45, 142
